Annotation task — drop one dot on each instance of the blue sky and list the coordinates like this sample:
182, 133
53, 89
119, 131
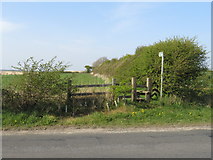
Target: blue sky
80, 33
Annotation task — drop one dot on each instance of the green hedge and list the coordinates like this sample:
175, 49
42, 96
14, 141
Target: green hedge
184, 61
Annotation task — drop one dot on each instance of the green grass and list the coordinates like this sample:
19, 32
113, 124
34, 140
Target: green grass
8, 80
86, 78
141, 117
26, 120
123, 116
78, 79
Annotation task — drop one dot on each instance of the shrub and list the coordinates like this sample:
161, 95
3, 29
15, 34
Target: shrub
40, 88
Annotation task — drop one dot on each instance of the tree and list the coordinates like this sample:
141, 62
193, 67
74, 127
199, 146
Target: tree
99, 61
88, 68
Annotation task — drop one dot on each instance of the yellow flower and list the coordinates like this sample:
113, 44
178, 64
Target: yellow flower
134, 113
142, 110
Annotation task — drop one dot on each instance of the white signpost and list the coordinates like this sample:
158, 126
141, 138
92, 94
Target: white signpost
161, 87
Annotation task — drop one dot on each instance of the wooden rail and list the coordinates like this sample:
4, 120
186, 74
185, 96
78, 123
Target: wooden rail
92, 85
88, 94
134, 92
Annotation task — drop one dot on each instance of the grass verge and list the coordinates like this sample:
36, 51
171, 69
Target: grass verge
123, 116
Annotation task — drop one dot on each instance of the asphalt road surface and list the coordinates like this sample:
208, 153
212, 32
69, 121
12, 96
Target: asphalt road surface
168, 144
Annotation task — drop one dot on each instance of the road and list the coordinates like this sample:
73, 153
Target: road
167, 144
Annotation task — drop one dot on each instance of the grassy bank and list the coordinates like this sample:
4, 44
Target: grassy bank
123, 116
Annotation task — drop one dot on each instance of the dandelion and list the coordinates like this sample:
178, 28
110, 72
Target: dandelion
142, 110
134, 113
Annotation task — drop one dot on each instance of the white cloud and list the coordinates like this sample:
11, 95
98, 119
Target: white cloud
6, 26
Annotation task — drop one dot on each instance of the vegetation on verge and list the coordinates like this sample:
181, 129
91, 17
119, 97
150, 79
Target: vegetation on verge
168, 111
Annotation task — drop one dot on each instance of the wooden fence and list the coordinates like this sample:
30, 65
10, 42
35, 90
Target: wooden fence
135, 94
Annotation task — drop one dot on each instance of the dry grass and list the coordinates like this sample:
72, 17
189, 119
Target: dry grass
122, 109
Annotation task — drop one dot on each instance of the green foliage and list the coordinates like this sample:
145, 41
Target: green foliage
26, 119
13, 99
201, 89
88, 68
183, 63
123, 89
40, 87
99, 62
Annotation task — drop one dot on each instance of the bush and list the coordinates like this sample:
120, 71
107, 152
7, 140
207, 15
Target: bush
40, 88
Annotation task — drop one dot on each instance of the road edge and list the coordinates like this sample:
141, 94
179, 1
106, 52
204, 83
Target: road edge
74, 130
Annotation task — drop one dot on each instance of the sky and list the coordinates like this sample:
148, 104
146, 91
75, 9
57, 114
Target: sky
80, 33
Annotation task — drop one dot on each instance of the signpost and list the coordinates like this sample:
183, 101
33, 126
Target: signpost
161, 87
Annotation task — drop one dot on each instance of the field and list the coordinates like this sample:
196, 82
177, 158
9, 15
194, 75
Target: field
78, 79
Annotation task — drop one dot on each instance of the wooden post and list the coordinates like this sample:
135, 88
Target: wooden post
149, 89
69, 93
134, 94
113, 81
113, 88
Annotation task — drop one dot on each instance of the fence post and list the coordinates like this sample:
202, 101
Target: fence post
134, 94
69, 93
149, 89
113, 91
113, 88
113, 81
